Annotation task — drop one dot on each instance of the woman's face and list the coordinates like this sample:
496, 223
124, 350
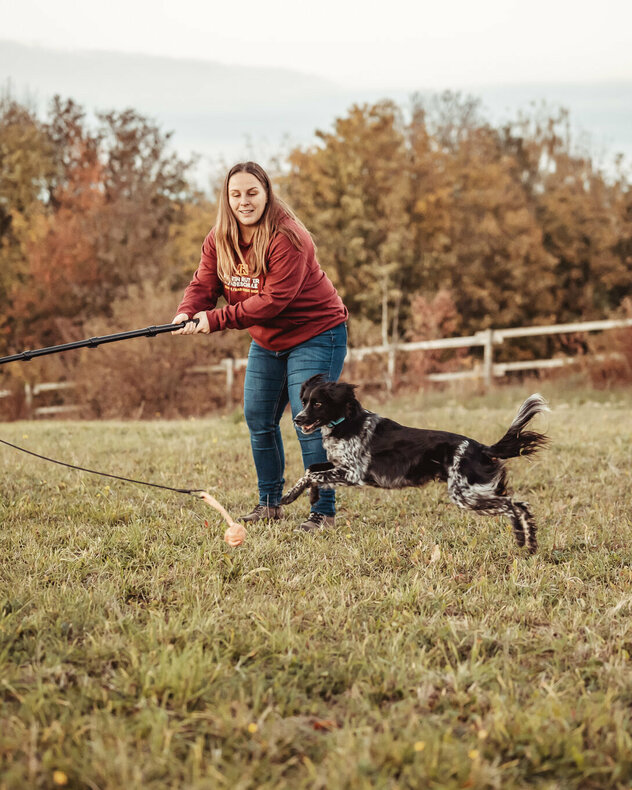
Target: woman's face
247, 199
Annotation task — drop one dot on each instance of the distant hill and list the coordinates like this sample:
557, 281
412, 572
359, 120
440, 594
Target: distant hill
225, 113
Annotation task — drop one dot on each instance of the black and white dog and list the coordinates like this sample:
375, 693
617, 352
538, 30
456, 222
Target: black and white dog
364, 449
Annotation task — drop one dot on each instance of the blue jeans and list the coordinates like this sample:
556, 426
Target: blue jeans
274, 378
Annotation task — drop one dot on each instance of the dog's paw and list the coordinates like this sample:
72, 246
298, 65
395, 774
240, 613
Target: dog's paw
314, 495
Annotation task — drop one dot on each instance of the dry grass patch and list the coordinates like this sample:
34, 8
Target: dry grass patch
412, 646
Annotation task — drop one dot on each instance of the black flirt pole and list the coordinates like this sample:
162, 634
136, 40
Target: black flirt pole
93, 342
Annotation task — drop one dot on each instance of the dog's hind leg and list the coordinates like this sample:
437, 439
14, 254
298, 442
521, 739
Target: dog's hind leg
486, 504
486, 494
528, 526
519, 515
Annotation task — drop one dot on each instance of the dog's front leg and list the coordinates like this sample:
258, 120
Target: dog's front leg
324, 475
314, 493
296, 490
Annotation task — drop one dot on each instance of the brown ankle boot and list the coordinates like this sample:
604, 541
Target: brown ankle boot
263, 513
317, 521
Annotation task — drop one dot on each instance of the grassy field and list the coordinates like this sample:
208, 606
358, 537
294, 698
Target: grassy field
412, 646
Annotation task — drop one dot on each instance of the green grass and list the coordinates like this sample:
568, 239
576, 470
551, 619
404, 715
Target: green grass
412, 646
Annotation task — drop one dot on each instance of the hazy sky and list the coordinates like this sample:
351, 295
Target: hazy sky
385, 44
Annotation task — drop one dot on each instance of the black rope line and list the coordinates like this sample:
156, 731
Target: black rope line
102, 474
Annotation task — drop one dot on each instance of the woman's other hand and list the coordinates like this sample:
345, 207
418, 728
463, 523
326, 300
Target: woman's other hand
202, 326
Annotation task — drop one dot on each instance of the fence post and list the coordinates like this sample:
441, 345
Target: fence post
488, 357
28, 399
390, 368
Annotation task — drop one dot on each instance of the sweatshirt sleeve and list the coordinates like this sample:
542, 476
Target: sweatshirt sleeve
287, 270
205, 288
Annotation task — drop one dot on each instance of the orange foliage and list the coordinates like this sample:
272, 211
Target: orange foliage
433, 318
61, 257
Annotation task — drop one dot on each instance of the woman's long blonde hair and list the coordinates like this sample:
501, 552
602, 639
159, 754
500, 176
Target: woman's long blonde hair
271, 222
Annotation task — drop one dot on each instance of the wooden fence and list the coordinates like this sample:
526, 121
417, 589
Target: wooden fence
486, 370
487, 339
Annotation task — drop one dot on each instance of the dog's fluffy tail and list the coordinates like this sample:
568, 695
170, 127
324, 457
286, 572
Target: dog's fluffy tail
517, 441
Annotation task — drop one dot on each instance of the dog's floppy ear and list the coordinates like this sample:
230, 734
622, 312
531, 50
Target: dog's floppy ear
345, 392
343, 395
310, 383
352, 406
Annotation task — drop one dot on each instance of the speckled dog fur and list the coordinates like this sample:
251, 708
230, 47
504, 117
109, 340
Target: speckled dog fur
364, 449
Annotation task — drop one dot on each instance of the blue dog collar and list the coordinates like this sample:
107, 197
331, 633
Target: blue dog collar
335, 422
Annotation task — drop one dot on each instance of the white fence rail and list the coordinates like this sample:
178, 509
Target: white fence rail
486, 340
486, 371
31, 391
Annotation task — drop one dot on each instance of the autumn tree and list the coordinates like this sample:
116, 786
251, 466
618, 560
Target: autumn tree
61, 268
106, 204
186, 237
580, 213
26, 166
476, 233
145, 189
352, 191
623, 244
509, 221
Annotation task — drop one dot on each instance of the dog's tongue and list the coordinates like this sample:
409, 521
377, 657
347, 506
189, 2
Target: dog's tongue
308, 428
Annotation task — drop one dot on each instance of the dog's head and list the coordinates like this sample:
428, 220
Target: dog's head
325, 403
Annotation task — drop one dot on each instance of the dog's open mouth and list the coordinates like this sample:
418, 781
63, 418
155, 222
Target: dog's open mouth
309, 428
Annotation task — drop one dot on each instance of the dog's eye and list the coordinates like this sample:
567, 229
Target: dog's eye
317, 405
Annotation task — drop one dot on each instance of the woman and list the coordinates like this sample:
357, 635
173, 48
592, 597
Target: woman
262, 259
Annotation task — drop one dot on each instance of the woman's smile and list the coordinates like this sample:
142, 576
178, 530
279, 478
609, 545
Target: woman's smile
248, 199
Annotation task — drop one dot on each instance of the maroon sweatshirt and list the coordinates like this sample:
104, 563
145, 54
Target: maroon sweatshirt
292, 302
